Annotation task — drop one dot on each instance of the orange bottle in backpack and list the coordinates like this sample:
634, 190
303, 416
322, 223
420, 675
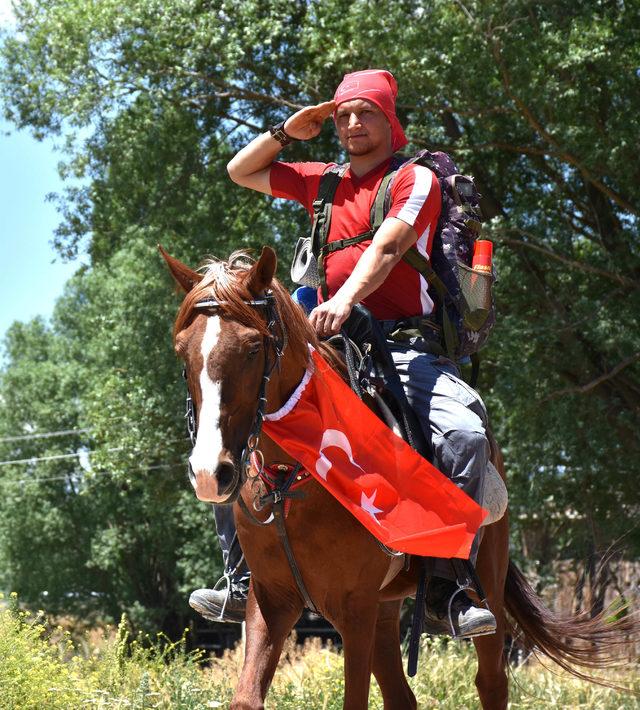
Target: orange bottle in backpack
482, 254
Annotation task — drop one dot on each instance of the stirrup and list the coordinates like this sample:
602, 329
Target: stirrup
464, 588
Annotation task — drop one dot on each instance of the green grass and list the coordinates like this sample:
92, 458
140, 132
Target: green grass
41, 669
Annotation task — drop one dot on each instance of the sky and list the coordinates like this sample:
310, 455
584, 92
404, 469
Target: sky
32, 273
32, 276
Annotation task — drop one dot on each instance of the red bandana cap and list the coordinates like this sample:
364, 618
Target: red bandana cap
379, 87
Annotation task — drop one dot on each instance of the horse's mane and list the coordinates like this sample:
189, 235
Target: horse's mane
225, 281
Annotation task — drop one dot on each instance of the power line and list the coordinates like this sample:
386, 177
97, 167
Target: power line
43, 435
40, 458
101, 472
55, 457
76, 454
54, 432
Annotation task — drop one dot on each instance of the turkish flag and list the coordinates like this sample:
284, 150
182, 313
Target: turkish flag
402, 499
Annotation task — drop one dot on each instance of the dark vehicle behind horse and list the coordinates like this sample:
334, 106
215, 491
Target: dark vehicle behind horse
232, 348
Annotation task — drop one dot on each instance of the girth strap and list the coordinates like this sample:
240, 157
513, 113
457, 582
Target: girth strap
418, 614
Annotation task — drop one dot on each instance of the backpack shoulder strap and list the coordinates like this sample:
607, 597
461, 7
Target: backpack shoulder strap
322, 207
439, 163
382, 202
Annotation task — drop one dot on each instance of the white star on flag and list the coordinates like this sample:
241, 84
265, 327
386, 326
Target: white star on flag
366, 503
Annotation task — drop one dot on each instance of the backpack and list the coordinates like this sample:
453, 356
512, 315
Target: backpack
465, 311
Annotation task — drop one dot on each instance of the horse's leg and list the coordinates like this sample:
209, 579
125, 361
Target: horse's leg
387, 659
491, 678
268, 625
356, 623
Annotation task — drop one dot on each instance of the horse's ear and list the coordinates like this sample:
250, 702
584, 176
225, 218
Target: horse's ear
262, 272
185, 277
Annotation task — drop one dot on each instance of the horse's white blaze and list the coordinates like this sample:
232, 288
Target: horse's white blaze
205, 455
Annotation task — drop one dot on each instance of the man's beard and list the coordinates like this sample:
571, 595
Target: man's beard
359, 151
359, 148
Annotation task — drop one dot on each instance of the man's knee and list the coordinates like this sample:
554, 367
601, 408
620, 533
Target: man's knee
465, 444
462, 455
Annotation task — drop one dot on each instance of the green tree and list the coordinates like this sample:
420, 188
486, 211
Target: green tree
536, 100
123, 531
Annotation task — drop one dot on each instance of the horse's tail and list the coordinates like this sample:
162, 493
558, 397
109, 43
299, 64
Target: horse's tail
589, 642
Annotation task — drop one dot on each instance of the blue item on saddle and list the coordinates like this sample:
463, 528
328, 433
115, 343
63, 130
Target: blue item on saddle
307, 297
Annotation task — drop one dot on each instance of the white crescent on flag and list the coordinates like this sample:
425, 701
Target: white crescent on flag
333, 437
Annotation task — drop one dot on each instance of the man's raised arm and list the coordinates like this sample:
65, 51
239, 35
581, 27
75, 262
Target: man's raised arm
251, 167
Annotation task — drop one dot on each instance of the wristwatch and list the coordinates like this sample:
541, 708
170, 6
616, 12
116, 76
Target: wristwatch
280, 134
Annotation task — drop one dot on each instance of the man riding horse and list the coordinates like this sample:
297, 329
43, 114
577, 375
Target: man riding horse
373, 272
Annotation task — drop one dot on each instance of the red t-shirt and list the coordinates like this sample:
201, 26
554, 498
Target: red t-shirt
415, 199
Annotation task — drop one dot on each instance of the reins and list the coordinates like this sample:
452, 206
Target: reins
279, 496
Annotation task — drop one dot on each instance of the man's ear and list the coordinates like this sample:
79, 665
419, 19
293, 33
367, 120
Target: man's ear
262, 272
185, 277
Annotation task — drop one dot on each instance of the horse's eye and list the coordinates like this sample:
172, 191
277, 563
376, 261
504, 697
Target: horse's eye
253, 351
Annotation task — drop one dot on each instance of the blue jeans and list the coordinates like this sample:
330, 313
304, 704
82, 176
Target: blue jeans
454, 421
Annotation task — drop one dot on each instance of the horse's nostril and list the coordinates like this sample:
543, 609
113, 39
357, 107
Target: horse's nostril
226, 476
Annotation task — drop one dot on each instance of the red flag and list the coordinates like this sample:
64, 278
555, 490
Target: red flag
397, 495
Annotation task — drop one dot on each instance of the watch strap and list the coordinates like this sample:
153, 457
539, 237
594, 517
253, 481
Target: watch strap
280, 134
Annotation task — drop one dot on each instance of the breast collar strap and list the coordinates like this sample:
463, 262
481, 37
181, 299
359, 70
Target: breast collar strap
281, 481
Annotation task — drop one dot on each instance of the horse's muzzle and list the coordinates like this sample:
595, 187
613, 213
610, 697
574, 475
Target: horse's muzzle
219, 486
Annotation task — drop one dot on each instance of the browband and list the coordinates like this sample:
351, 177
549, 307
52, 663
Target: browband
212, 303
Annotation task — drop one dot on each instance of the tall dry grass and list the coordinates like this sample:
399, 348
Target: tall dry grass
41, 669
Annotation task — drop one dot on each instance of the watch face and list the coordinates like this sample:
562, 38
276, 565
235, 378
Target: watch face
278, 133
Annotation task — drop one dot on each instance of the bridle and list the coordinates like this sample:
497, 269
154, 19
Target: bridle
277, 339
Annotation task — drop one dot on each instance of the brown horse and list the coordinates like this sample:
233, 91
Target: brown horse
222, 334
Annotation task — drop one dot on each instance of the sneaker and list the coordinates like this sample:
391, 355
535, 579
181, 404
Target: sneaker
210, 603
468, 620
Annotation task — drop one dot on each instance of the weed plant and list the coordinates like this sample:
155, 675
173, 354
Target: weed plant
45, 670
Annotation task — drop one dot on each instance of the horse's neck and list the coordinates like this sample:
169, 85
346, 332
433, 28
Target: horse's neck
293, 366
285, 379
335, 358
